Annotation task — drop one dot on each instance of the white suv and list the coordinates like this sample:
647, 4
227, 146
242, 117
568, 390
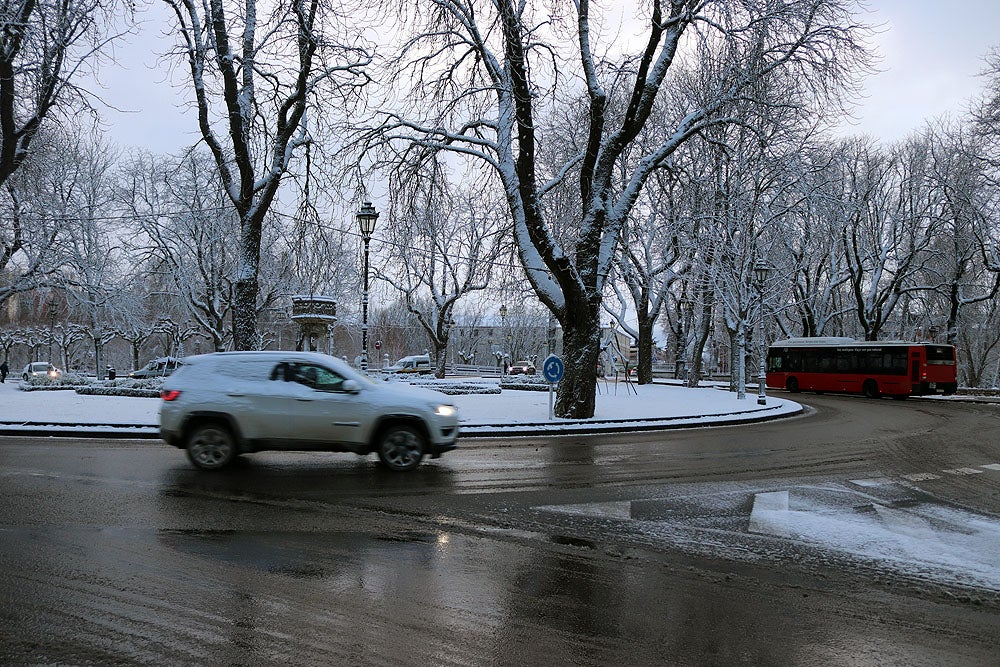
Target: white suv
217, 406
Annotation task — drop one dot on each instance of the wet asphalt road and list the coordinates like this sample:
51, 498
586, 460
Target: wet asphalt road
118, 552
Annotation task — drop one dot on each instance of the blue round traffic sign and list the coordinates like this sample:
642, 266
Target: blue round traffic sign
553, 368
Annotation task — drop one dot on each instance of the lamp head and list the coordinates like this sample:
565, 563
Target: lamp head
761, 271
367, 217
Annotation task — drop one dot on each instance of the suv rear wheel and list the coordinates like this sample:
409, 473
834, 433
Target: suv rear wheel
211, 446
400, 447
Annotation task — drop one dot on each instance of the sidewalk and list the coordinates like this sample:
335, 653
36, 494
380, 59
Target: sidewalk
620, 407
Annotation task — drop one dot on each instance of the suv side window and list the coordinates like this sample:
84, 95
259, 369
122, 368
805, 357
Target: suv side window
310, 375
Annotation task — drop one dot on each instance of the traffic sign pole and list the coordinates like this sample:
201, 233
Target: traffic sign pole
552, 370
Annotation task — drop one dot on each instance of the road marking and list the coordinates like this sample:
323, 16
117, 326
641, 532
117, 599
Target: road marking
921, 476
872, 483
963, 471
991, 466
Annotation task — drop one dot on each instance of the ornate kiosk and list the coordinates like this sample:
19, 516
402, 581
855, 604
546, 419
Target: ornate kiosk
315, 316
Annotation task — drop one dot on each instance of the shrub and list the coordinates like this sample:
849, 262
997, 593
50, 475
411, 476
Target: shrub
524, 382
64, 381
456, 387
89, 385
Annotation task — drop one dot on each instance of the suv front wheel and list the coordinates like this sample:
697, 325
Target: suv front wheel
211, 446
400, 447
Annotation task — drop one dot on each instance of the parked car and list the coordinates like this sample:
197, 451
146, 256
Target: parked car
220, 405
415, 363
160, 367
521, 367
40, 369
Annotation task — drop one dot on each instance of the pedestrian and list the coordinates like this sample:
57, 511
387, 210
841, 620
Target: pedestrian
4, 369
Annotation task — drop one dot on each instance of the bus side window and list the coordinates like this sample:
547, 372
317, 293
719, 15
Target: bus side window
845, 362
809, 362
899, 362
871, 362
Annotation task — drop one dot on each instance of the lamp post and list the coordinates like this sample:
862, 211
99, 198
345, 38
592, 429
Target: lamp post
761, 271
503, 339
367, 217
52, 325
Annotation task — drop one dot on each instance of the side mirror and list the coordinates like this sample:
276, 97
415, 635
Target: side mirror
351, 386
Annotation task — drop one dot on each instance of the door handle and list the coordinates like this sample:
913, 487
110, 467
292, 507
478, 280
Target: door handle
235, 395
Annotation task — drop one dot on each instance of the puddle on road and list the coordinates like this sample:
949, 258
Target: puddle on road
297, 554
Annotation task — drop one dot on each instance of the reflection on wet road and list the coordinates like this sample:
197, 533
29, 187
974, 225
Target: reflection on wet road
756, 545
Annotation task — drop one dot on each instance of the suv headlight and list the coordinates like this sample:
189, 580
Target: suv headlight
445, 410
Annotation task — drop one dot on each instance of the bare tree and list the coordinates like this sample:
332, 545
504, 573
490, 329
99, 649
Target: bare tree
470, 56
813, 254
889, 226
45, 46
185, 244
650, 258
93, 257
986, 113
265, 71
442, 248
962, 197
30, 247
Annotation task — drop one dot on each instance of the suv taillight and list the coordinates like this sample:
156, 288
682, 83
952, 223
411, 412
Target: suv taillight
169, 394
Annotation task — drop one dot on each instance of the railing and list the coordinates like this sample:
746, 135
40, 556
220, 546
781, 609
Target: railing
473, 370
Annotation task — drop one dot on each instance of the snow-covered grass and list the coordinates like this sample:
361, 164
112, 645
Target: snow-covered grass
647, 405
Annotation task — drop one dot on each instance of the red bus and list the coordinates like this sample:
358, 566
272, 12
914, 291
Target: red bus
844, 365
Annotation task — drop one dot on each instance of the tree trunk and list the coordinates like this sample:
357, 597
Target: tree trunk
696, 356
951, 333
644, 348
739, 367
441, 354
582, 347
245, 314
98, 358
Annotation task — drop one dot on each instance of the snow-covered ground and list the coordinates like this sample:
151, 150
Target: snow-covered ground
511, 411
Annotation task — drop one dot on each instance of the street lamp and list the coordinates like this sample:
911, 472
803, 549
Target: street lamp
367, 217
503, 338
52, 324
761, 271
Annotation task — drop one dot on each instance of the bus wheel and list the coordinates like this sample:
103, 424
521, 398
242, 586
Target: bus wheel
792, 385
870, 389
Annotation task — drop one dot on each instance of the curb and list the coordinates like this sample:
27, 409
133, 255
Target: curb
62, 429
569, 427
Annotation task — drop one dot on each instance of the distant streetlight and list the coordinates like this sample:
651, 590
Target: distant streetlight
367, 217
451, 328
52, 324
504, 338
761, 271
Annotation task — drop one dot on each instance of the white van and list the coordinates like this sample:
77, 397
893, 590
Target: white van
414, 363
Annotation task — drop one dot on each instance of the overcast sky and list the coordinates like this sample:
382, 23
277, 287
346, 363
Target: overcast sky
932, 52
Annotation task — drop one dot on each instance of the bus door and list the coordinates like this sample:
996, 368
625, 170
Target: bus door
916, 366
